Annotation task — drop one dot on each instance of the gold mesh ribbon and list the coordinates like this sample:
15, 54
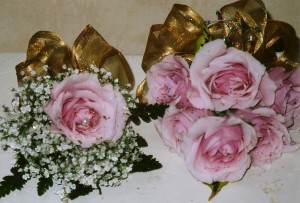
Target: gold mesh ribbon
47, 48
243, 24
178, 35
246, 26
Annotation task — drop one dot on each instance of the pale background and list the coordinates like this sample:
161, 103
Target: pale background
123, 23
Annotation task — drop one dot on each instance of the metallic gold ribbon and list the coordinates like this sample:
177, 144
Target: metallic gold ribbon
47, 48
244, 24
178, 35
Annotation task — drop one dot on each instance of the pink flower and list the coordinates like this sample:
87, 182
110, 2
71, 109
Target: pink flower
287, 99
273, 137
175, 124
228, 78
217, 148
168, 81
85, 111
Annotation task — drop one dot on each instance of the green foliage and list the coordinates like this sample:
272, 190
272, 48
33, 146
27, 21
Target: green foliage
15, 181
99, 188
225, 113
147, 163
11, 183
5, 109
220, 113
147, 112
141, 141
43, 185
203, 39
80, 190
215, 187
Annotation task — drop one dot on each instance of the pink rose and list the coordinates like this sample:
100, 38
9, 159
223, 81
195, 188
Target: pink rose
85, 111
287, 99
228, 78
217, 148
273, 137
168, 81
175, 124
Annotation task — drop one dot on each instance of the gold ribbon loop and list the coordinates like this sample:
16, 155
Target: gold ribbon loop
91, 48
245, 24
178, 35
47, 48
281, 46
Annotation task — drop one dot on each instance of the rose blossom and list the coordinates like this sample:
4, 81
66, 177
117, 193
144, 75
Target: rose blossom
217, 148
287, 98
228, 78
273, 137
168, 81
175, 124
85, 111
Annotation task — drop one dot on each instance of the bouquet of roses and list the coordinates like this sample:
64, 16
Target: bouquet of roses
231, 101
70, 118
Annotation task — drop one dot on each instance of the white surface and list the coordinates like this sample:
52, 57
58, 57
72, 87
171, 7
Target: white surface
173, 183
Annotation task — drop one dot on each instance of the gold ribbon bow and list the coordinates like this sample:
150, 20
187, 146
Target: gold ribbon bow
247, 27
244, 24
47, 48
178, 35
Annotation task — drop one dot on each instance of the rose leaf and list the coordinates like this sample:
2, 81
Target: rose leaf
80, 190
147, 112
203, 38
12, 182
43, 185
215, 187
141, 141
147, 163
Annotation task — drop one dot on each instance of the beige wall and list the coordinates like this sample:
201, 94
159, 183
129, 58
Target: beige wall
123, 23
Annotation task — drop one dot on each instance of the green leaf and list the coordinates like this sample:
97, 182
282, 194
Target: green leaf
224, 113
15, 181
158, 109
135, 120
80, 190
5, 109
215, 187
21, 163
147, 112
43, 185
147, 163
99, 188
141, 141
12, 182
220, 113
146, 116
203, 39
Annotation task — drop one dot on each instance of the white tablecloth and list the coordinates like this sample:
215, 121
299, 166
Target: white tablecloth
171, 184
